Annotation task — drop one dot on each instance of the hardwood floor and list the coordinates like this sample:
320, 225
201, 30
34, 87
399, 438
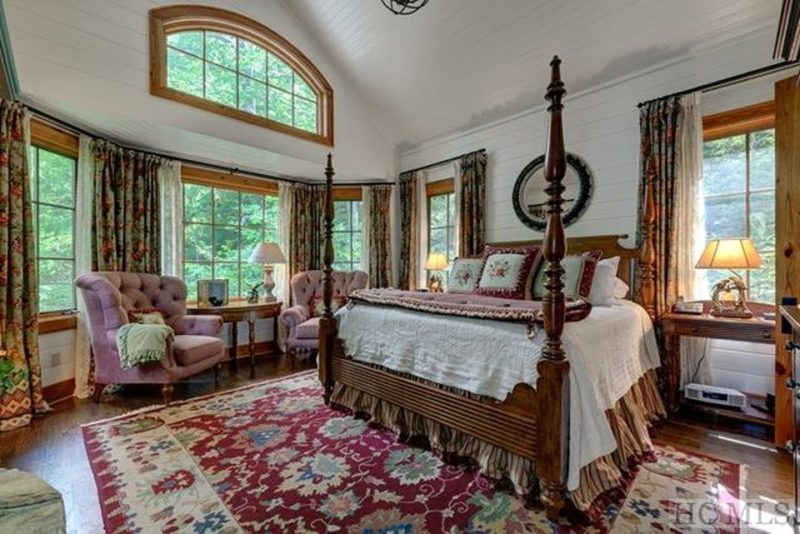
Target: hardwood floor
52, 447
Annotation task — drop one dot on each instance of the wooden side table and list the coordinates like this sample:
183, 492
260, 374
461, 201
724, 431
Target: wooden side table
676, 325
239, 311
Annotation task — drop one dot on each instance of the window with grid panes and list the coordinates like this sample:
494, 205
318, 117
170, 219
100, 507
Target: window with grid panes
442, 227
739, 198
222, 226
347, 244
53, 177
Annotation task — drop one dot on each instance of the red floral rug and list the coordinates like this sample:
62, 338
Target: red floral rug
271, 458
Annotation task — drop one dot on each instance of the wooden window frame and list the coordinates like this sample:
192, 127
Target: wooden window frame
742, 121
739, 121
231, 182
170, 19
53, 139
435, 189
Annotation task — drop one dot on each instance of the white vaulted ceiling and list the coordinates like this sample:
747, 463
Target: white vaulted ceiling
460, 63
397, 80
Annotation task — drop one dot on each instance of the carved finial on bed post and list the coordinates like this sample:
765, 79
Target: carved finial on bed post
647, 258
327, 325
553, 385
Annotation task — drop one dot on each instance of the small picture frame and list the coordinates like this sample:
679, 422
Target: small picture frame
212, 293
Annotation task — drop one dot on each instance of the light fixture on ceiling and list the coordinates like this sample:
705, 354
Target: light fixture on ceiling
404, 7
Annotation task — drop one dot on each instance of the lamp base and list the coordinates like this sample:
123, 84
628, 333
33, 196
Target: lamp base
269, 285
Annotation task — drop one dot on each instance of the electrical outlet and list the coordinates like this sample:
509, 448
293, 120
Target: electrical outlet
55, 359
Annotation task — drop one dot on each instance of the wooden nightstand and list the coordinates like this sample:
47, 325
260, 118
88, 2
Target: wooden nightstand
676, 325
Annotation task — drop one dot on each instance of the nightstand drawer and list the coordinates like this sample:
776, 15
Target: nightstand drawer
740, 330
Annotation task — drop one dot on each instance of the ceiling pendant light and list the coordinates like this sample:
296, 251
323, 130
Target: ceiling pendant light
404, 7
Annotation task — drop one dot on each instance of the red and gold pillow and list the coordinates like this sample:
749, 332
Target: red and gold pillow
508, 272
317, 305
146, 316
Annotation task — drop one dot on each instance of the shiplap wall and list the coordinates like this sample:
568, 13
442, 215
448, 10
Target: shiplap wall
602, 126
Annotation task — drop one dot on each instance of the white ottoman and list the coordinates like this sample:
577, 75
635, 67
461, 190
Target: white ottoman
29, 505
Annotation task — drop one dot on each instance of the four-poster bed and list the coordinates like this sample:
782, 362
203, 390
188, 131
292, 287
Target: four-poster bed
532, 423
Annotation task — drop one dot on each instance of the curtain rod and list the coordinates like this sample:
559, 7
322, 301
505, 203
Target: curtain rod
448, 160
730, 80
230, 170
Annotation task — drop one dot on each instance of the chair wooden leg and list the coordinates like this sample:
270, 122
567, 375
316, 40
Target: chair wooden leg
98, 392
166, 391
216, 375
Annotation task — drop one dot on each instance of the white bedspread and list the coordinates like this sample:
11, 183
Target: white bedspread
609, 351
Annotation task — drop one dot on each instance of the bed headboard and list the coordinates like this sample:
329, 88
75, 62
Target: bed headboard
609, 244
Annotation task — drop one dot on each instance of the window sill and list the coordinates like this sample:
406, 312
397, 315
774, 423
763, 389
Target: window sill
49, 323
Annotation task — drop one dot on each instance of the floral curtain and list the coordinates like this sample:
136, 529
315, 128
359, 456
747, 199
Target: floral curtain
659, 124
380, 235
20, 370
409, 232
305, 227
126, 211
472, 204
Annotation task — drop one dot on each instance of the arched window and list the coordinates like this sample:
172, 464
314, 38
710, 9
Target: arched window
224, 62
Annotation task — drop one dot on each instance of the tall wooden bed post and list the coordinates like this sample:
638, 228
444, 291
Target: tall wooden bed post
327, 324
552, 385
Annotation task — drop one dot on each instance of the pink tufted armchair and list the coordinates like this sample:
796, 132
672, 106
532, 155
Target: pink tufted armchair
307, 287
110, 295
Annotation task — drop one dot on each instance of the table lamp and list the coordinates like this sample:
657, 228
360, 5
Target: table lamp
269, 254
436, 262
738, 253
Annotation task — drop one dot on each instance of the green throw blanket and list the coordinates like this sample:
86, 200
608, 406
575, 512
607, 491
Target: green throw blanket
142, 343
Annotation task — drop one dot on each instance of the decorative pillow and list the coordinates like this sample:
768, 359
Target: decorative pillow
578, 274
508, 272
146, 316
317, 305
605, 275
464, 275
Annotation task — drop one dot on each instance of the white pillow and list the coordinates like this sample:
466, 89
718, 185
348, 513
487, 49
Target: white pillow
620, 289
605, 275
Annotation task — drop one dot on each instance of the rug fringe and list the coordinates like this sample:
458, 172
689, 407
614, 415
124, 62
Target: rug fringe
154, 407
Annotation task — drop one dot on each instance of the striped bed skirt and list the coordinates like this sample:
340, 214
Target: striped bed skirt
629, 420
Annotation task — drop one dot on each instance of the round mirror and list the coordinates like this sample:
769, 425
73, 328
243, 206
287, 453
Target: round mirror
530, 199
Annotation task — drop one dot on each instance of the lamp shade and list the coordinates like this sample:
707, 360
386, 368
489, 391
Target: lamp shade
436, 262
269, 253
739, 253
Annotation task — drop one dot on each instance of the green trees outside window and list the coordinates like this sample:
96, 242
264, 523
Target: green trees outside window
442, 226
239, 74
53, 177
222, 226
739, 196
347, 245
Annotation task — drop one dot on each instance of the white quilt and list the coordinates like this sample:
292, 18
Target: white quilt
608, 352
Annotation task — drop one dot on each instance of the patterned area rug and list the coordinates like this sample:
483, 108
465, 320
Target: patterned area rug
271, 458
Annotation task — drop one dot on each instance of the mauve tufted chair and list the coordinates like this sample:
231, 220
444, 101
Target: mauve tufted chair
304, 329
110, 295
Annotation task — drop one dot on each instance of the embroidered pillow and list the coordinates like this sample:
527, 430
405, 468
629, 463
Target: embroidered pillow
317, 305
464, 275
578, 274
508, 272
146, 316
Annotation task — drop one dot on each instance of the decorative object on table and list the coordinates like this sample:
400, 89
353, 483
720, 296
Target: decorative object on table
252, 297
530, 199
404, 7
212, 292
730, 294
268, 254
132, 474
436, 262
